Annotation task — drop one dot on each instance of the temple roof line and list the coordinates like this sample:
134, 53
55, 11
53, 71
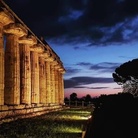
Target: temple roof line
40, 40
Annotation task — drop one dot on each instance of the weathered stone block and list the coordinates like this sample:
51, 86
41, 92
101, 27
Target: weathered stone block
3, 107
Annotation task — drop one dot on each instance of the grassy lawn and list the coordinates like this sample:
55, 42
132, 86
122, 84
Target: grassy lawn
67, 123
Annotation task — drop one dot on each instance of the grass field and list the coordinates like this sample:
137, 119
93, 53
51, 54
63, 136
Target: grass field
67, 123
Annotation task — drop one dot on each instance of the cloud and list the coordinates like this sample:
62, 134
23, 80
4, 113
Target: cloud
99, 87
83, 64
71, 71
84, 80
101, 67
105, 66
127, 57
96, 22
91, 87
118, 88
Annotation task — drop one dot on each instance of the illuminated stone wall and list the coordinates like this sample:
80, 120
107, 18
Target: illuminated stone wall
31, 73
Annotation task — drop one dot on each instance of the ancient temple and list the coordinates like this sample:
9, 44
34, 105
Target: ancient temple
31, 73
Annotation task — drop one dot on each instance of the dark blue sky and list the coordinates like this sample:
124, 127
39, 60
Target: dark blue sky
92, 38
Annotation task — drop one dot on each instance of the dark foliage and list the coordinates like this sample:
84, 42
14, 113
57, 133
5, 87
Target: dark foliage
115, 116
126, 72
73, 97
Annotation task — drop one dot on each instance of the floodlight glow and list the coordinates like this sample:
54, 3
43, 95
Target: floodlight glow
68, 129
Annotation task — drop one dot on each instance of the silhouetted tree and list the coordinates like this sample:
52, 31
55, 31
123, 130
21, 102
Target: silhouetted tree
127, 76
73, 97
66, 99
88, 98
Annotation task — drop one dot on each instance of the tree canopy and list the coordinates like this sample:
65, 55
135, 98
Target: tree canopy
127, 75
73, 97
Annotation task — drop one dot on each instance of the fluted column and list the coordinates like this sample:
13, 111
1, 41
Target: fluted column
25, 74
61, 86
56, 86
1, 66
48, 86
42, 80
52, 83
12, 64
54, 76
34, 77
5, 19
25, 65
12, 71
48, 59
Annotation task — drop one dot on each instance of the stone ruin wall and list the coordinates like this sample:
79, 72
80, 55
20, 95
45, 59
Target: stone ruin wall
31, 73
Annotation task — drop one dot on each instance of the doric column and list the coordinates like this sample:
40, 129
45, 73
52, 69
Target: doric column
52, 83
5, 19
12, 64
35, 93
42, 80
56, 84
48, 88
48, 80
25, 43
34, 77
61, 86
44, 75
1, 66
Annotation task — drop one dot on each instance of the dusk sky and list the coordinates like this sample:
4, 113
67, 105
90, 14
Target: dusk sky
91, 37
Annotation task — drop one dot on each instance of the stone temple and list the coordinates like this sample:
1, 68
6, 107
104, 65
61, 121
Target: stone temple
31, 73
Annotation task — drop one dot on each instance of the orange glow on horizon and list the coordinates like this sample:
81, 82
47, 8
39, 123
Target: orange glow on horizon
93, 92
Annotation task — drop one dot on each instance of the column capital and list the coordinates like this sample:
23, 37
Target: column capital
57, 66
6, 18
50, 59
29, 40
16, 29
55, 62
62, 70
45, 54
37, 47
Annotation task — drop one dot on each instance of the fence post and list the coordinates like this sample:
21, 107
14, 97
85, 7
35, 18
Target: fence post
82, 104
69, 102
76, 103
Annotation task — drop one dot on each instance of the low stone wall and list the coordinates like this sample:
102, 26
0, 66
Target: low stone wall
24, 111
